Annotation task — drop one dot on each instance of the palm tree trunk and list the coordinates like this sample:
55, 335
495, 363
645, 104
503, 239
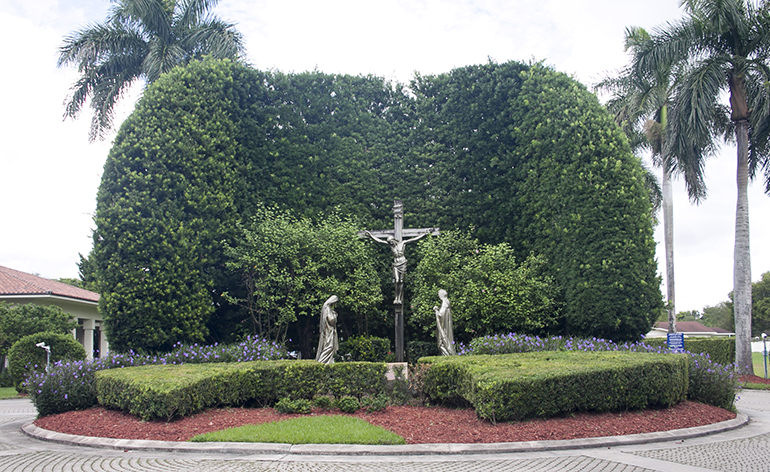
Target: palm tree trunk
742, 257
668, 223
668, 236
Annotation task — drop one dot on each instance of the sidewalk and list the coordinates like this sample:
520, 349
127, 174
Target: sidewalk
732, 448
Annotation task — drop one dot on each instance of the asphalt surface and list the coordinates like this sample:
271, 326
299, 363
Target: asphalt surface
740, 445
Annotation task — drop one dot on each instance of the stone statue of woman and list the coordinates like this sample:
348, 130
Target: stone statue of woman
328, 342
445, 336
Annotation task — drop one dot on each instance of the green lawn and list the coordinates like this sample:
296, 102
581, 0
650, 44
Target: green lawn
759, 366
325, 429
8, 392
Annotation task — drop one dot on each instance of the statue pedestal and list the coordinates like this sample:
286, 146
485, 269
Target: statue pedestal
391, 375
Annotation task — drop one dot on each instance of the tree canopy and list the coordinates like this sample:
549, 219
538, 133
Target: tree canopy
140, 41
521, 154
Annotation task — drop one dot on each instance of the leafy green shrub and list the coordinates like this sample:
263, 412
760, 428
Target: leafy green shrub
66, 387
364, 349
5, 378
546, 384
287, 405
417, 349
720, 349
489, 289
348, 404
711, 382
356, 379
398, 389
323, 402
25, 357
375, 403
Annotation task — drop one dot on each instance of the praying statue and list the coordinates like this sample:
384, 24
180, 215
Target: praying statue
328, 342
399, 260
444, 334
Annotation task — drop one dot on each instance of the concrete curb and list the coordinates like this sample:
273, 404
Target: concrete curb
360, 450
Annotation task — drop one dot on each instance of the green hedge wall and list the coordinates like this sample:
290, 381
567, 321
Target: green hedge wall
168, 391
545, 384
720, 350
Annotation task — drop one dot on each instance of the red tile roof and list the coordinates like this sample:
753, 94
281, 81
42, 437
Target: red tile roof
690, 327
14, 282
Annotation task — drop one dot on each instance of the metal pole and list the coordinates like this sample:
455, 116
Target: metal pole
764, 354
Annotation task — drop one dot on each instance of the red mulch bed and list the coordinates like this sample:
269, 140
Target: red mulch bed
418, 425
755, 379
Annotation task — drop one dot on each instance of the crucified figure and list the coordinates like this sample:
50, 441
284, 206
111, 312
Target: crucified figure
399, 261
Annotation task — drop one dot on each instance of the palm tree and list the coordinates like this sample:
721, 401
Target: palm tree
640, 102
140, 40
725, 45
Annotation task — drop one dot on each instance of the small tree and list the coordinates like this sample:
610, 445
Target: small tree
17, 321
290, 265
490, 293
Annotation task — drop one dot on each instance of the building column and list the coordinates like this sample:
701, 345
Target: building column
104, 345
88, 337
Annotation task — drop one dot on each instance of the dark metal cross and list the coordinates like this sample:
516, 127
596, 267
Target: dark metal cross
395, 239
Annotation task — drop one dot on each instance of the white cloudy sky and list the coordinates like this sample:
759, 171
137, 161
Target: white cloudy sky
49, 173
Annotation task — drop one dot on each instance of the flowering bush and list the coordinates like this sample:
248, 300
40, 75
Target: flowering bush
70, 385
709, 382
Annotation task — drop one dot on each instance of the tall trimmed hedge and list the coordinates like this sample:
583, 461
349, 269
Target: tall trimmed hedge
517, 152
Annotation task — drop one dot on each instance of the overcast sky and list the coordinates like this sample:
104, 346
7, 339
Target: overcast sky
49, 173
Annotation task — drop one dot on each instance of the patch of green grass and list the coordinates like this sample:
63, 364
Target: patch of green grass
8, 392
755, 386
759, 364
325, 429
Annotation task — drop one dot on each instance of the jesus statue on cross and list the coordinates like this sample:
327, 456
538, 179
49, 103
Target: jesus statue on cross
395, 239
399, 261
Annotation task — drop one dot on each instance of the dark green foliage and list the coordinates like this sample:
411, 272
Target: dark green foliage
489, 291
417, 349
348, 404
168, 391
290, 266
17, 321
67, 387
375, 403
364, 349
323, 402
357, 379
546, 384
287, 405
760, 305
719, 349
520, 153
25, 358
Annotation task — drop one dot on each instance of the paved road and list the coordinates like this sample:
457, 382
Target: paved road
743, 449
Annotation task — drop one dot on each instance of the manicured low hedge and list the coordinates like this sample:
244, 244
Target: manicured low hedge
545, 384
163, 391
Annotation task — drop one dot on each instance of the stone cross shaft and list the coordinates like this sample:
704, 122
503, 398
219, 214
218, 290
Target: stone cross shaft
398, 233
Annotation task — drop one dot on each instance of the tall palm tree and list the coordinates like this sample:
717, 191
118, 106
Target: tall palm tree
140, 40
640, 102
725, 45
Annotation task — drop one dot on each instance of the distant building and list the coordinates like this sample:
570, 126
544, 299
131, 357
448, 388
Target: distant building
21, 288
690, 329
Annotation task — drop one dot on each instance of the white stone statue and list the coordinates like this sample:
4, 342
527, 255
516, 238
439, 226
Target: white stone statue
444, 336
328, 342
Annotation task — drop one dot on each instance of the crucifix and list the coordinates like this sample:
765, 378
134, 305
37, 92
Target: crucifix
395, 239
